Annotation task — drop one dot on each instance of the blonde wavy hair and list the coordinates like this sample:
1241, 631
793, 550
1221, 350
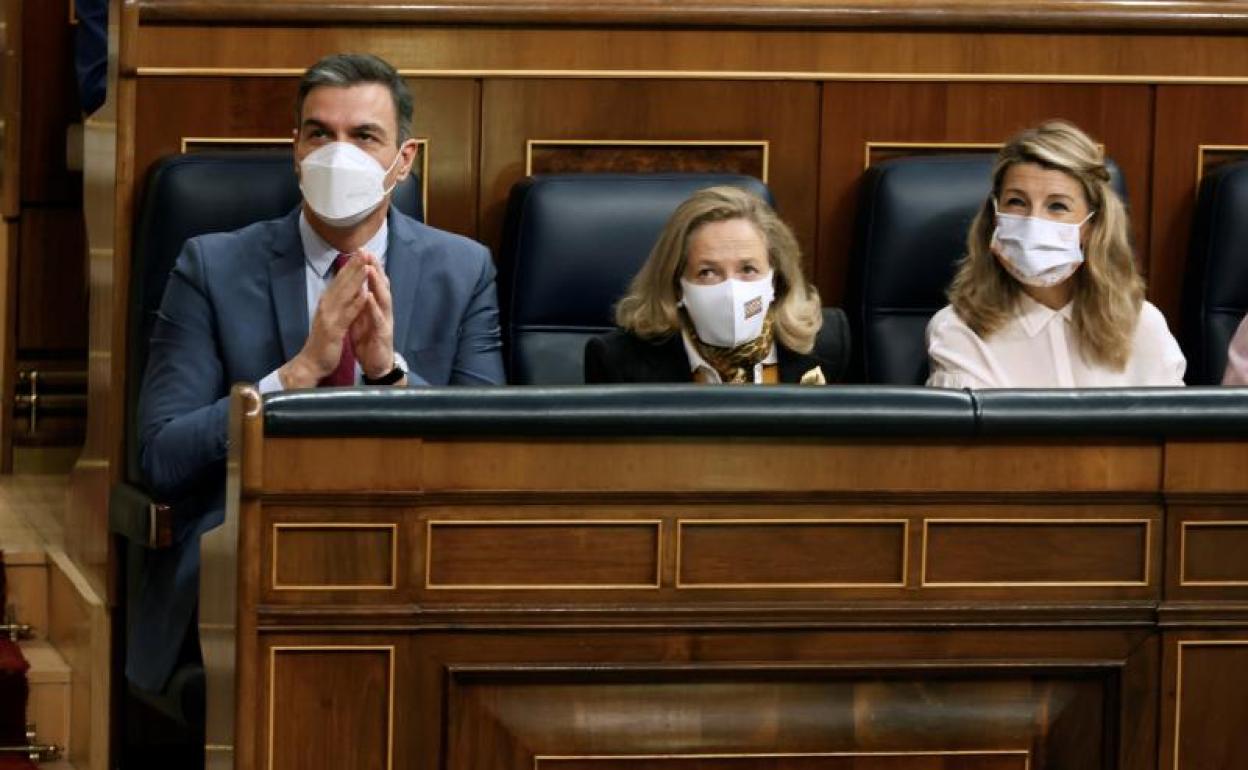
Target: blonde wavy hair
649, 309
1108, 291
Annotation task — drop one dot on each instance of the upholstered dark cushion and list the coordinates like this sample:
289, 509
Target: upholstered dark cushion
913, 217
571, 244
1215, 290
1168, 412
615, 410
193, 194
777, 410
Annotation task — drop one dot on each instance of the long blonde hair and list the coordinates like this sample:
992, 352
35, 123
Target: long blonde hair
1108, 290
649, 309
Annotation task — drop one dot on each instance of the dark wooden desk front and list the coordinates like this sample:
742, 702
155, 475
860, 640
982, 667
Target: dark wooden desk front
598, 604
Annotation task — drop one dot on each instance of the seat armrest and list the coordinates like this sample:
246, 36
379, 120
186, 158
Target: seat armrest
133, 514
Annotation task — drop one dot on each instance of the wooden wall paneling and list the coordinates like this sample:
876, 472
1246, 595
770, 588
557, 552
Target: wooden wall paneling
1205, 552
1119, 116
1203, 708
1188, 117
815, 54
52, 282
50, 104
446, 113
785, 115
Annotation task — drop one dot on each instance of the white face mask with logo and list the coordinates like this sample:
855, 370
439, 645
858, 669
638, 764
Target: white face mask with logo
343, 184
728, 313
1038, 252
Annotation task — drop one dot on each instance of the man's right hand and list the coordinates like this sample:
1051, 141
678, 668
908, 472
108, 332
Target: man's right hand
338, 307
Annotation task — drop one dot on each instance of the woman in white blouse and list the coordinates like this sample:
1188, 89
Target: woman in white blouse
1047, 295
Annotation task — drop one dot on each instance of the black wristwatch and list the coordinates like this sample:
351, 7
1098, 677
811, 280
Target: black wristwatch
389, 378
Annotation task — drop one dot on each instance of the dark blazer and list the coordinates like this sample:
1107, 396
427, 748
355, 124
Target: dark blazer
621, 357
235, 309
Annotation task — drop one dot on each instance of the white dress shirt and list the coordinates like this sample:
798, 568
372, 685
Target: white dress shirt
1037, 348
1237, 357
709, 376
319, 257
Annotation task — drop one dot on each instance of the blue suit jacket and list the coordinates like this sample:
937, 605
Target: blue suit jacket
235, 309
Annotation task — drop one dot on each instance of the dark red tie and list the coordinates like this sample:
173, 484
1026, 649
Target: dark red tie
345, 373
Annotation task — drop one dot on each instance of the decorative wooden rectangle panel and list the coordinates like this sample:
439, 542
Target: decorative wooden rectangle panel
331, 707
755, 717
1036, 552
334, 556
850, 760
796, 553
1210, 707
1210, 156
564, 156
1214, 553
527, 554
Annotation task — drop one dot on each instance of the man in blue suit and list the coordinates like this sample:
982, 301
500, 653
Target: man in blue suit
343, 290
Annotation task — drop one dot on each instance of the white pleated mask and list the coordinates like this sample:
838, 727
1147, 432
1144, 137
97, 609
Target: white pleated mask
1038, 252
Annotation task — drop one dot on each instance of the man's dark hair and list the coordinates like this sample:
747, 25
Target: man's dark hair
341, 70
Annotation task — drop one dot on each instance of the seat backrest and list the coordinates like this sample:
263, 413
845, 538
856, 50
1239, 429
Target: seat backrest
571, 244
1215, 288
193, 194
913, 217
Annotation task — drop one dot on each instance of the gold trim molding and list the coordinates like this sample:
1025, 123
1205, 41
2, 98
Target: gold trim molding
905, 551
1183, 527
1143, 583
1201, 149
378, 526
762, 144
657, 524
677, 74
1025, 754
348, 648
1178, 679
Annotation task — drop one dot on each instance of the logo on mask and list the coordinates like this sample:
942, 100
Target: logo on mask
753, 307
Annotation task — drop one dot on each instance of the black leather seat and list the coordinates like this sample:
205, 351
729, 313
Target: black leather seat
571, 244
184, 196
913, 217
1215, 289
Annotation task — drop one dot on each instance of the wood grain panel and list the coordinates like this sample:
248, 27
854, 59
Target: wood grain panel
886, 54
52, 283
446, 112
334, 555
1206, 467
785, 115
331, 708
543, 554
799, 553
1209, 708
1212, 552
546, 156
49, 105
761, 717
379, 465
1055, 552
796, 465
978, 13
1119, 116
1187, 117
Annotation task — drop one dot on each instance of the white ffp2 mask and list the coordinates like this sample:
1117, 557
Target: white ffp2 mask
343, 184
728, 313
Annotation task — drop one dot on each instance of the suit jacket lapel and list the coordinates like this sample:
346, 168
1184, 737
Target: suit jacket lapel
403, 268
288, 284
669, 364
793, 365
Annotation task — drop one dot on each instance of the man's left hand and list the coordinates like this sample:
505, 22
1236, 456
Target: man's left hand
372, 331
